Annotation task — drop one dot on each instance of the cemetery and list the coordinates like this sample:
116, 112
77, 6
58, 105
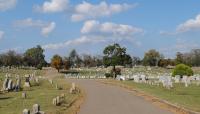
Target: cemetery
159, 82
30, 92
99, 57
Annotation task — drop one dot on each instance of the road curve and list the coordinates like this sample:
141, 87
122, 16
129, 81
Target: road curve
107, 99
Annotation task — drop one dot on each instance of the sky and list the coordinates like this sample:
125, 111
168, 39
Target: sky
169, 26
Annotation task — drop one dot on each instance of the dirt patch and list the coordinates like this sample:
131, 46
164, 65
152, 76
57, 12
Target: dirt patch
75, 106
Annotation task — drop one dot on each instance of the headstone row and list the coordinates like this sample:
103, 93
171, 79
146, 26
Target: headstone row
36, 110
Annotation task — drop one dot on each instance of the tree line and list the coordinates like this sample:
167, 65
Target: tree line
33, 57
113, 55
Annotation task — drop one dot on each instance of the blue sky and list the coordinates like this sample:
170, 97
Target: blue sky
88, 26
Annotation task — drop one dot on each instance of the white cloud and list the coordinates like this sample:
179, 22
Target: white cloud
87, 10
1, 34
109, 29
7, 4
76, 42
52, 6
189, 25
29, 22
46, 27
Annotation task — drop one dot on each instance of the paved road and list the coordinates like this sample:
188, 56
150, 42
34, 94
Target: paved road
107, 99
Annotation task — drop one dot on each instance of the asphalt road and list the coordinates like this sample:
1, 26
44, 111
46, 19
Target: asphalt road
107, 99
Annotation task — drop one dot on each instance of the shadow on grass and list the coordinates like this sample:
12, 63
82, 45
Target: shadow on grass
4, 98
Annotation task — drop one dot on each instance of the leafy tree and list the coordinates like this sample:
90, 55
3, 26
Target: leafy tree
57, 62
99, 60
182, 69
88, 61
34, 57
66, 63
74, 59
115, 55
10, 58
165, 62
127, 60
195, 54
179, 58
152, 57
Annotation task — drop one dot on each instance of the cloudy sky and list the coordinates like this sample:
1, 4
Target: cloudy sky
88, 26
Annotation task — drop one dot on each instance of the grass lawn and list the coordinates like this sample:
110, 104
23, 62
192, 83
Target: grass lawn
186, 97
12, 102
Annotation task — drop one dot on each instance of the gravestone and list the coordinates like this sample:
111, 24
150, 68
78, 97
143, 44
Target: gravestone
120, 77
26, 111
36, 109
5, 84
58, 100
37, 80
186, 81
198, 80
27, 81
51, 81
10, 84
56, 86
73, 88
136, 78
18, 84
24, 95
143, 78
177, 78
166, 81
62, 95
55, 101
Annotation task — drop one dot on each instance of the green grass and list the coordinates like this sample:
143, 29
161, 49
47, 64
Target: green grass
187, 97
42, 94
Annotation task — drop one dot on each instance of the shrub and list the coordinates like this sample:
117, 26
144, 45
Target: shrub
182, 69
39, 66
108, 75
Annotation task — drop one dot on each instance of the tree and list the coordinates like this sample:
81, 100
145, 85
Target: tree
152, 58
10, 58
57, 62
179, 58
195, 54
34, 57
66, 63
136, 61
127, 60
99, 61
115, 55
182, 69
88, 60
74, 59
165, 62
